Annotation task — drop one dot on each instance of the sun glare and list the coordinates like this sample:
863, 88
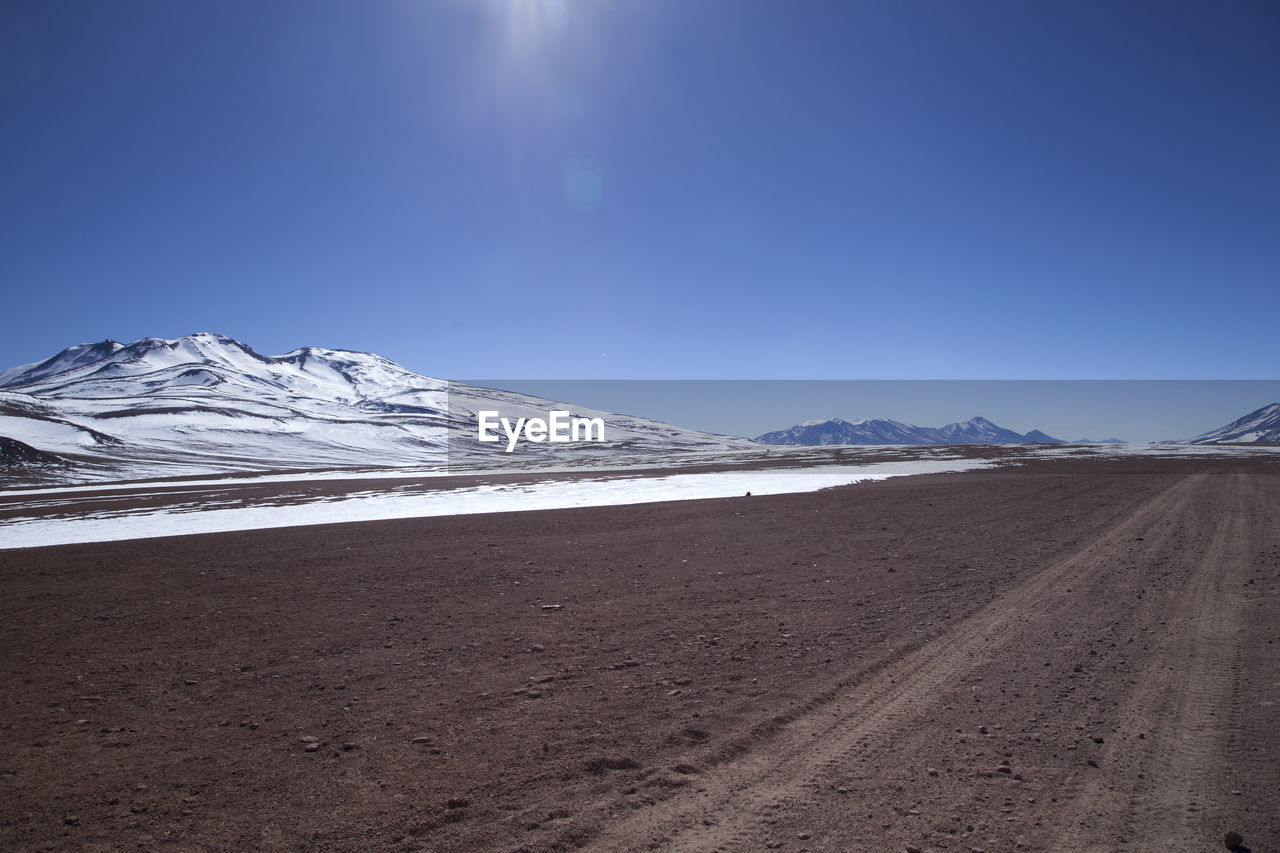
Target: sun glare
528, 23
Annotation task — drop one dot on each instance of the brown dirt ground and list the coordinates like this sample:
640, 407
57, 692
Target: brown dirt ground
1059, 656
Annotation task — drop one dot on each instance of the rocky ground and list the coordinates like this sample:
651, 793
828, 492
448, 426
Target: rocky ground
1058, 656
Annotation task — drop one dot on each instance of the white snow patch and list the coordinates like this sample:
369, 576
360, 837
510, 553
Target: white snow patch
114, 525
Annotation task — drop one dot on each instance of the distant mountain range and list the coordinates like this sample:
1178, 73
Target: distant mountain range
883, 431
1261, 426
207, 403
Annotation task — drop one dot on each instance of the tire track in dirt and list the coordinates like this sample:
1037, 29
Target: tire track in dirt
779, 773
1169, 790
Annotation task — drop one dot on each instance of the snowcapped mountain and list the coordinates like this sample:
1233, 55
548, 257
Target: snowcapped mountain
841, 431
207, 403
1112, 440
979, 430
1258, 427
882, 431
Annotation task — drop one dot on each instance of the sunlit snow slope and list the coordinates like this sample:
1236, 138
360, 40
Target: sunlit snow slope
1261, 426
206, 403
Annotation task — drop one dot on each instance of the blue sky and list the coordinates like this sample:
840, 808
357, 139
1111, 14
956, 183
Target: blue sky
659, 189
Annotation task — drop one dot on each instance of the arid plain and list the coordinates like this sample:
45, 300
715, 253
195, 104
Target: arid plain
1060, 655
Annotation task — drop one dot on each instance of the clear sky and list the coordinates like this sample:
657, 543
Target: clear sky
652, 188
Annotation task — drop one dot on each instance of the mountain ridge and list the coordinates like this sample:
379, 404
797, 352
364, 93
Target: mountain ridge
207, 403
876, 431
1261, 426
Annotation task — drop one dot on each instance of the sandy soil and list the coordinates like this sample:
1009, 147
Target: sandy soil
1061, 656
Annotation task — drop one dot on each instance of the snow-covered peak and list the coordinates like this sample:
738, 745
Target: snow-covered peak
977, 430
852, 422
200, 348
71, 357
1261, 426
163, 367
137, 357
207, 402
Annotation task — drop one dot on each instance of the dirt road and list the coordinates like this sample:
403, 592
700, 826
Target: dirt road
1060, 657
1137, 730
